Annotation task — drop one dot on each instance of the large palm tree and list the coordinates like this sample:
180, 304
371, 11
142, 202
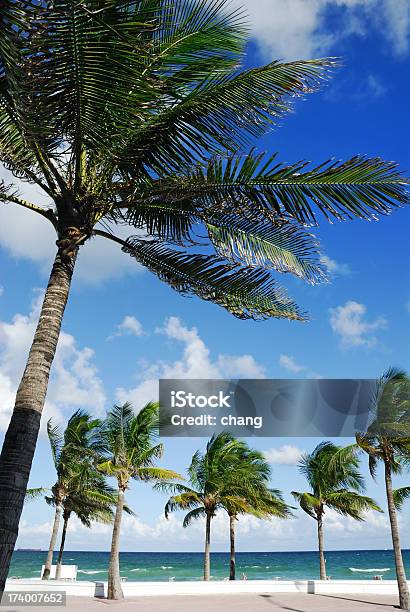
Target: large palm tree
130, 449
334, 484
387, 441
250, 482
213, 487
137, 112
73, 452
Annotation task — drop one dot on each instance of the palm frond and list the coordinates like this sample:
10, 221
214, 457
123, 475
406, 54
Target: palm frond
224, 111
56, 438
350, 503
154, 473
285, 247
243, 292
33, 494
308, 502
358, 188
183, 501
193, 515
400, 496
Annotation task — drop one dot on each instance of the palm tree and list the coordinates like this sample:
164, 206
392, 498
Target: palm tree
72, 451
387, 441
334, 484
250, 479
92, 502
136, 113
212, 487
130, 450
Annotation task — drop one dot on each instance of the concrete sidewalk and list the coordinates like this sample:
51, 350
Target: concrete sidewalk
231, 603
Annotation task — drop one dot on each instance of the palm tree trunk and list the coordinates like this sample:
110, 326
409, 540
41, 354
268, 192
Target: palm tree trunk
21, 437
400, 572
207, 557
53, 539
62, 544
114, 578
232, 564
321, 549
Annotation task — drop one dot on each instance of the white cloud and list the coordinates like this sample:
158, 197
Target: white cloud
129, 326
195, 362
290, 364
27, 235
140, 535
374, 522
74, 381
285, 455
335, 268
294, 29
349, 323
397, 18
1, 290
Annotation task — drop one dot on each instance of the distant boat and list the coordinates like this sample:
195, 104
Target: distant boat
29, 550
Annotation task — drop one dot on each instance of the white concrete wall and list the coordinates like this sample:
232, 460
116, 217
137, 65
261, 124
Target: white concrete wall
141, 589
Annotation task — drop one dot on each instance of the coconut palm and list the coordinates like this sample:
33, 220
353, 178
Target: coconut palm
387, 441
73, 452
136, 112
250, 480
212, 487
334, 484
130, 451
93, 502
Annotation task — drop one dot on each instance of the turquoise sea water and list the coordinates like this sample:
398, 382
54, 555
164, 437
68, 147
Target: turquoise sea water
342, 565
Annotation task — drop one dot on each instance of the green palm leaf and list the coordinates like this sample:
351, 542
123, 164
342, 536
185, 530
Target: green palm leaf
360, 187
400, 496
224, 111
284, 247
350, 503
193, 515
245, 293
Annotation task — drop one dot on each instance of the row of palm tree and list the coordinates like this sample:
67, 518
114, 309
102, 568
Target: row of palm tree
228, 476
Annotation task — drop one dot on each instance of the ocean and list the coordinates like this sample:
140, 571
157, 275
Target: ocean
342, 565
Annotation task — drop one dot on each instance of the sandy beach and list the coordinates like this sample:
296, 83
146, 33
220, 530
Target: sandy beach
260, 602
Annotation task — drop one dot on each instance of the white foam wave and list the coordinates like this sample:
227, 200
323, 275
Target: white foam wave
370, 569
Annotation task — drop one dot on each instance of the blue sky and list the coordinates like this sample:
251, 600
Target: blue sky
124, 329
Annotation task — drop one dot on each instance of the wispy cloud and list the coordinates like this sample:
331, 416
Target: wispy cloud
129, 326
334, 267
285, 455
289, 363
350, 324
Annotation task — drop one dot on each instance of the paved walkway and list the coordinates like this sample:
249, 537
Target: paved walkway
231, 603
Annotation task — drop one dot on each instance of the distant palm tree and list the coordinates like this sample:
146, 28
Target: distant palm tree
334, 484
73, 452
138, 113
387, 441
94, 501
250, 480
213, 486
130, 450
